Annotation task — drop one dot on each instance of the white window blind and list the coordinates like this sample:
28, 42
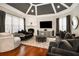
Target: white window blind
62, 24
13, 23
8, 23
21, 24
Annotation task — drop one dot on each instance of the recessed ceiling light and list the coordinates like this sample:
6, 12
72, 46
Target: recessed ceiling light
58, 6
32, 10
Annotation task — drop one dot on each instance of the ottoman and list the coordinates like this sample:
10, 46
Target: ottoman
40, 38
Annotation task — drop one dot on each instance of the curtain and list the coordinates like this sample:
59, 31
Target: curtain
68, 23
57, 25
2, 21
24, 24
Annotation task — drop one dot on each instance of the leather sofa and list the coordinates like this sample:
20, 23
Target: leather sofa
64, 49
27, 35
65, 35
8, 42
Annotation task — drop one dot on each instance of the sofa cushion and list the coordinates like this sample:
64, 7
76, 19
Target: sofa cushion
65, 45
75, 44
64, 52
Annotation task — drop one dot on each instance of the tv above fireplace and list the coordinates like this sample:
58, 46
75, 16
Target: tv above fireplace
45, 24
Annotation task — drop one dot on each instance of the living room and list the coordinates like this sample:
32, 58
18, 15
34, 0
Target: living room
39, 29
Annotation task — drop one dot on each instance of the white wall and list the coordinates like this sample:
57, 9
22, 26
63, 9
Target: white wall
36, 22
31, 19
47, 18
75, 12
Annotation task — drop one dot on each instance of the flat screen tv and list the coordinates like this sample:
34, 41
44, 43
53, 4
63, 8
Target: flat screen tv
45, 24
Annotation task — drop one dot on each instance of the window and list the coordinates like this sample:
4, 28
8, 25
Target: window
62, 24
21, 24
13, 23
8, 23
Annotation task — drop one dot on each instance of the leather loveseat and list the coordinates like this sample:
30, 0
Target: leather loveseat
71, 48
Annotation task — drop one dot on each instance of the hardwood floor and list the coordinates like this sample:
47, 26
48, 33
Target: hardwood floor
25, 50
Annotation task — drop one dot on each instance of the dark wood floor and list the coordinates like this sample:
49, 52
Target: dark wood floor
25, 50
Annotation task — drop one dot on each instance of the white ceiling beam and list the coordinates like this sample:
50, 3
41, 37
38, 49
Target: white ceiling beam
33, 4
53, 7
29, 9
36, 10
65, 5
42, 4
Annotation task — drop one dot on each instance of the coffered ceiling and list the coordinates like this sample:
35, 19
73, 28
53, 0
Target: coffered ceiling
32, 10
40, 8
68, 4
59, 7
45, 9
20, 6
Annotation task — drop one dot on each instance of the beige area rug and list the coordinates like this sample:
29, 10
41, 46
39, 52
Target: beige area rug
33, 42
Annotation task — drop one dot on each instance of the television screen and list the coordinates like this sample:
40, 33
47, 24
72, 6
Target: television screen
45, 24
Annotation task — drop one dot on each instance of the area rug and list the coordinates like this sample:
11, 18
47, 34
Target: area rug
33, 42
